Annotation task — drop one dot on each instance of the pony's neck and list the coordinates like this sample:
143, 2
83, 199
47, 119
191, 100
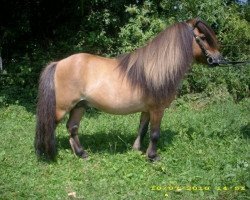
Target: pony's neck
157, 68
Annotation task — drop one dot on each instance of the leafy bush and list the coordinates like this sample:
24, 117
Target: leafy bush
113, 27
203, 79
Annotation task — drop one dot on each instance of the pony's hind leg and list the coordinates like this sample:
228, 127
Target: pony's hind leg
143, 128
73, 125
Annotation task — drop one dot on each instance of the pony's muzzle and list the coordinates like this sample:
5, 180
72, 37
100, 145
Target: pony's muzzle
215, 60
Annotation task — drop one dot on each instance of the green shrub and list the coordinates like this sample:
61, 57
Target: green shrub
110, 28
203, 79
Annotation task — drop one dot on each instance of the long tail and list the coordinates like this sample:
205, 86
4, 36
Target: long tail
45, 141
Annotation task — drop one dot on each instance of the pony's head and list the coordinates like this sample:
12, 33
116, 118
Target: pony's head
205, 44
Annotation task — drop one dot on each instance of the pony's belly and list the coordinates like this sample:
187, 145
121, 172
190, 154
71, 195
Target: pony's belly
113, 96
119, 108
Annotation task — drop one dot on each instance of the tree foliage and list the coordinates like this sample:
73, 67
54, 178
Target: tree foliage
34, 32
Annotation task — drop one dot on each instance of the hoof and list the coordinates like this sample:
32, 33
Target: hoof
153, 157
84, 155
136, 148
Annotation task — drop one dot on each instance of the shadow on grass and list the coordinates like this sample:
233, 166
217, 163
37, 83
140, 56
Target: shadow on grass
114, 142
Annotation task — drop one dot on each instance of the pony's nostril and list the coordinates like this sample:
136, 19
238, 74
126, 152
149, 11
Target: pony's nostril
210, 60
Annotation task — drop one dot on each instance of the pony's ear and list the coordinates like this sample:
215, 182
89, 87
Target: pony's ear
196, 21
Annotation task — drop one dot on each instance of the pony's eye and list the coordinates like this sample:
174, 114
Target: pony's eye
203, 37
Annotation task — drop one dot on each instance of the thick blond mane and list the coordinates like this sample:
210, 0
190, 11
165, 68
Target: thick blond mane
157, 68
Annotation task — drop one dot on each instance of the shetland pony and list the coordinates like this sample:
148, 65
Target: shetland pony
145, 81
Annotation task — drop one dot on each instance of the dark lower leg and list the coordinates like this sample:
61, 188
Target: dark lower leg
143, 128
152, 148
75, 143
155, 121
73, 125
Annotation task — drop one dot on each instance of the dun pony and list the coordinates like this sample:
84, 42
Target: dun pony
145, 81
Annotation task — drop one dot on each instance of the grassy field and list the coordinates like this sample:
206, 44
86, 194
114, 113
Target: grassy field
204, 151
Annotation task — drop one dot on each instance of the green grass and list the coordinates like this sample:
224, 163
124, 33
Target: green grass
204, 149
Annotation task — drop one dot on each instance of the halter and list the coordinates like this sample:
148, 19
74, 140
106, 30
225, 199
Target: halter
210, 59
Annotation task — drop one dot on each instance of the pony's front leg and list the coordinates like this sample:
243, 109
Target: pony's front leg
155, 122
143, 128
73, 126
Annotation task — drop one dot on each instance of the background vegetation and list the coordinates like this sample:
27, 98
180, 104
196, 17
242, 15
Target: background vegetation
205, 133
32, 33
